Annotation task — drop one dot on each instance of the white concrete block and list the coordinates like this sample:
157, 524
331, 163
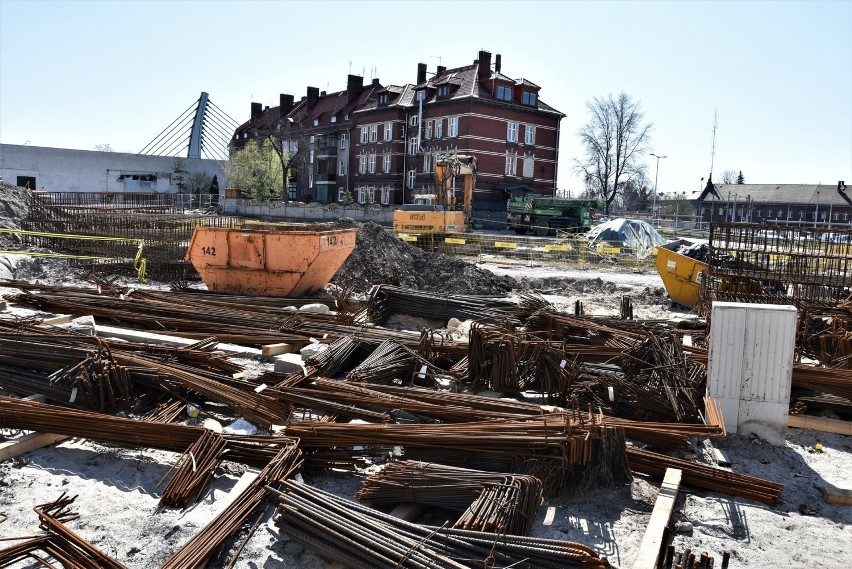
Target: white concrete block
288, 363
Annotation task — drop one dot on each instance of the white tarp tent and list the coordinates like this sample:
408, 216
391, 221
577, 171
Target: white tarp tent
628, 233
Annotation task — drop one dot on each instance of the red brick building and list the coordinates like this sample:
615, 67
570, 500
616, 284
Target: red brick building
384, 141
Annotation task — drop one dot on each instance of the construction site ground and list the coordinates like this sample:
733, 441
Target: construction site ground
117, 489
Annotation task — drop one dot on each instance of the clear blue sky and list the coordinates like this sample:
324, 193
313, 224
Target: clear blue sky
79, 74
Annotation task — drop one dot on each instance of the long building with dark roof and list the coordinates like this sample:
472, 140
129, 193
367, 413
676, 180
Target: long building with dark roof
379, 144
796, 204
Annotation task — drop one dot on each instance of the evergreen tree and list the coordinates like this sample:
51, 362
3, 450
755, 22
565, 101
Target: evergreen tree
741, 178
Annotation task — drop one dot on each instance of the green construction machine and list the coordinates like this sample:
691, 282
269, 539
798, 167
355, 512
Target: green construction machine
545, 215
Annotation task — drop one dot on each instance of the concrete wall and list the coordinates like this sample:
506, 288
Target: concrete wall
66, 170
310, 212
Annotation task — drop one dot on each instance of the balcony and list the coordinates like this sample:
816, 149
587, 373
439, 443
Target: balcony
326, 151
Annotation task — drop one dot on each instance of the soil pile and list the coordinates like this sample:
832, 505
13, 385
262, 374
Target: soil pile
14, 207
381, 258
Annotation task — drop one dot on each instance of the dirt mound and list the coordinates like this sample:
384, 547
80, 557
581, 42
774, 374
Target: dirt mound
14, 207
381, 258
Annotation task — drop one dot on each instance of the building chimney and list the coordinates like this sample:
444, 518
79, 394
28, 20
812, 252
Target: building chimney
441, 69
375, 81
421, 73
497, 63
484, 64
354, 86
313, 96
256, 111
322, 93
286, 104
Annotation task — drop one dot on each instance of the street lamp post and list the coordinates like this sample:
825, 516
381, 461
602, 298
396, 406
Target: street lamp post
656, 179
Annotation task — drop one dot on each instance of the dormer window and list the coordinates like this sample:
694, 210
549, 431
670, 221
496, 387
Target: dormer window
443, 90
529, 98
333, 119
383, 99
421, 95
316, 122
504, 93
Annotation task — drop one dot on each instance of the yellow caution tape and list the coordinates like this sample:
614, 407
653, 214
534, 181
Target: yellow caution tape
139, 262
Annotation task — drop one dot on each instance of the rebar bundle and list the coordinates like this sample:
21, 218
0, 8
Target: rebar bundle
198, 550
129, 433
63, 370
706, 477
564, 435
193, 472
659, 366
392, 361
385, 300
364, 538
192, 318
60, 542
494, 502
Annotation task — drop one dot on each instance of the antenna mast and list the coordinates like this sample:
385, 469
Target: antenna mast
713, 150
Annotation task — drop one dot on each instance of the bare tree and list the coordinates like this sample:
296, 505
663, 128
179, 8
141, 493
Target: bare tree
729, 177
615, 138
103, 148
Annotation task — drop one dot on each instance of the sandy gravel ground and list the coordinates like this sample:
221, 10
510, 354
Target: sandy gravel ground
117, 490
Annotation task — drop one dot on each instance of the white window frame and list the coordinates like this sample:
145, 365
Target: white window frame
443, 91
316, 122
374, 132
427, 163
365, 134
311, 180
362, 164
412, 178
386, 163
362, 194
512, 131
529, 134
529, 166
429, 126
341, 194
371, 168
413, 120
343, 140
439, 128
388, 131
311, 156
453, 127
412, 146
333, 119
385, 195
511, 166
341, 169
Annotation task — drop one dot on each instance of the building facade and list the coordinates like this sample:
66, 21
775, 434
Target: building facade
68, 170
387, 139
777, 204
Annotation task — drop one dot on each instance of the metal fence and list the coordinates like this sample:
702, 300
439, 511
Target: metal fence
70, 222
778, 265
561, 251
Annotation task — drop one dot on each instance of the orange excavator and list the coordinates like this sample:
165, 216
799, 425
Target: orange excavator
441, 212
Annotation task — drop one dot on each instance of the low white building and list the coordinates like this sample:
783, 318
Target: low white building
67, 170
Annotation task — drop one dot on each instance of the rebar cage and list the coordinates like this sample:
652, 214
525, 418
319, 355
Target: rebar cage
778, 264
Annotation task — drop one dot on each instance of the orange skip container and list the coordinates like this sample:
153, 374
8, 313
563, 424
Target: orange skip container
294, 260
